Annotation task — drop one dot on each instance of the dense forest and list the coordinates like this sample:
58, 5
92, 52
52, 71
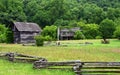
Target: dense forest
91, 15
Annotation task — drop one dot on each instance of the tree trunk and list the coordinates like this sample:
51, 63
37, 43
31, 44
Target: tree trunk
105, 41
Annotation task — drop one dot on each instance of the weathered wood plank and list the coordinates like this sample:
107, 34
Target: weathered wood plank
98, 68
97, 71
29, 56
101, 67
102, 63
16, 56
44, 64
23, 58
2, 54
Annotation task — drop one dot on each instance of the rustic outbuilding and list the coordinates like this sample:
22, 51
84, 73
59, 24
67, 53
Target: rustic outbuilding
68, 33
25, 32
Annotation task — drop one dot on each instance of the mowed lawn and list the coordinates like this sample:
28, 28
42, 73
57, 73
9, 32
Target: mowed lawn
69, 50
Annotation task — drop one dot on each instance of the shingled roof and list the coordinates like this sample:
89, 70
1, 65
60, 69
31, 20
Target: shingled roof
74, 29
25, 26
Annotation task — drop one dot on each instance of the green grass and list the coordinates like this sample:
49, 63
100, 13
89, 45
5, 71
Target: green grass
9, 68
73, 51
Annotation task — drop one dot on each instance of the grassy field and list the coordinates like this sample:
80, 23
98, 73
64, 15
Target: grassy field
69, 50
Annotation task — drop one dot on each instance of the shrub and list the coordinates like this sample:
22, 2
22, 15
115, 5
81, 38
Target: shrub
98, 37
79, 35
39, 40
3, 31
9, 36
88, 36
117, 32
2, 38
50, 31
89, 30
48, 38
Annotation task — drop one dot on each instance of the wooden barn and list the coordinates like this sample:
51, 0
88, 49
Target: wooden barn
24, 32
68, 33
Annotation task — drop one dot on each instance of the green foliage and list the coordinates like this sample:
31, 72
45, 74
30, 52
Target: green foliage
3, 31
117, 32
61, 22
98, 37
117, 22
42, 11
57, 8
9, 36
6, 35
11, 10
107, 27
89, 30
95, 52
30, 8
81, 24
50, 31
48, 38
92, 13
113, 13
39, 40
79, 35
2, 38
61, 13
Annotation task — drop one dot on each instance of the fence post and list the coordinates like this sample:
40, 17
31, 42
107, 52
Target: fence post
77, 68
11, 56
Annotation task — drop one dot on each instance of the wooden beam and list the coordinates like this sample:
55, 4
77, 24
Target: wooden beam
101, 67
97, 71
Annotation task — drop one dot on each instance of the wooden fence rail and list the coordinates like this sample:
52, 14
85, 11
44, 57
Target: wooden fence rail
102, 68
44, 64
21, 57
82, 68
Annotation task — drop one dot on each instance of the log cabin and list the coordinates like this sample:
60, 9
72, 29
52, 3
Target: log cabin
25, 32
68, 33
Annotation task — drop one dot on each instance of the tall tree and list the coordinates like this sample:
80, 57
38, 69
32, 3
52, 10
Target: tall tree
91, 13
30, 8
107, 27
56, 9
11, 10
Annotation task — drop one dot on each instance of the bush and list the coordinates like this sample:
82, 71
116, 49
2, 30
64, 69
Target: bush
79, 35
98, 37
2, 38
50, 31
48, 38
117, 32
9, 36
3, 31
88, 36
39, 40
89, 30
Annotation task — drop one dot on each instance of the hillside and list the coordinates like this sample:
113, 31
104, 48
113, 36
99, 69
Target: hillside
63, 12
